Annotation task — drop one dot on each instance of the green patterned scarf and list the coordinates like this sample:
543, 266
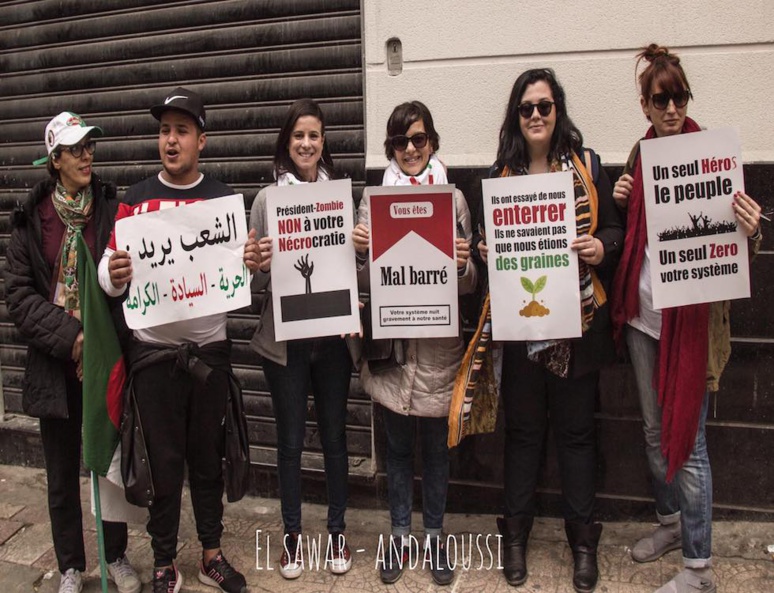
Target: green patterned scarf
74, 212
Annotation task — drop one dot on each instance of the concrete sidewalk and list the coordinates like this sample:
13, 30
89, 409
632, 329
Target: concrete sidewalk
27, 561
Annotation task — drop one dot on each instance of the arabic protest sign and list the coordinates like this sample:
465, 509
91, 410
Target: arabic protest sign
533, 273
697, 253
186, 261
313, 275
413, 269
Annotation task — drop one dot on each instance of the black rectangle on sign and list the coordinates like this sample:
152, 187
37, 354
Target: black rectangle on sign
317, 305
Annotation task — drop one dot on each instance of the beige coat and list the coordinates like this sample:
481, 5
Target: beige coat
423, 386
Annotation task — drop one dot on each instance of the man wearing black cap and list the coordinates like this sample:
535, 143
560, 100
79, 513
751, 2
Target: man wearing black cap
182, 416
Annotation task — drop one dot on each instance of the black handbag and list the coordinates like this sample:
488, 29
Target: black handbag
135, 465
381, 355
237, 455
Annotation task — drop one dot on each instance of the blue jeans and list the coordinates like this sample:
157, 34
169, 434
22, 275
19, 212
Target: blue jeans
688, 498
401, 435
324, 367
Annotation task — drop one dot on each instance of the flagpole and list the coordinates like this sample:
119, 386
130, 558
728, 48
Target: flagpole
100, 532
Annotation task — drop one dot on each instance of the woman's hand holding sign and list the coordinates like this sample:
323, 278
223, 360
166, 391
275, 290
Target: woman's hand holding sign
622, 189
748, 213
590, 249
463, 252
264, 251
360, 238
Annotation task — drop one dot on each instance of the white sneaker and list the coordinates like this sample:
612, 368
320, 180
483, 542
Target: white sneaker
124, 576
690, 581
71, 581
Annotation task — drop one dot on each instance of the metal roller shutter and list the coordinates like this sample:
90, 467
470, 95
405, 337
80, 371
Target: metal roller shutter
110, 60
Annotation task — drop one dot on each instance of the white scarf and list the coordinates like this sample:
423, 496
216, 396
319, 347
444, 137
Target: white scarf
288, 178
433, 174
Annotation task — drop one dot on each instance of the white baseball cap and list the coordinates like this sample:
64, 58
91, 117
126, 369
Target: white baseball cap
68, 129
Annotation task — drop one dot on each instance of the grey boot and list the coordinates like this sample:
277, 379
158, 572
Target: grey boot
584, 539
515, 532
664, 538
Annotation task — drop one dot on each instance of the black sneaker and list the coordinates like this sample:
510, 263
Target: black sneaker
167, 580
340, 556
395, 561
439, 562
219, 573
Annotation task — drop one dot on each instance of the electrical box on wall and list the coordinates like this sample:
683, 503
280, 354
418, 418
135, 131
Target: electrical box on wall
394, 49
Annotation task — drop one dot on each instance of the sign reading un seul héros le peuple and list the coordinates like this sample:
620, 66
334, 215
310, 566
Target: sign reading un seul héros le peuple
697, 253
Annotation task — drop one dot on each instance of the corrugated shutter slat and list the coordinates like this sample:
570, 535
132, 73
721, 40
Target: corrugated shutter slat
110, 60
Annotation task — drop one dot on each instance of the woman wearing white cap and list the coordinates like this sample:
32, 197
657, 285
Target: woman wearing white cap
43, 301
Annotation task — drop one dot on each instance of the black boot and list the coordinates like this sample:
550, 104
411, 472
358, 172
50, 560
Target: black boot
584, 539
515, 532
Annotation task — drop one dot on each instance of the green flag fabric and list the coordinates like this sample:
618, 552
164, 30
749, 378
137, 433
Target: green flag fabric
104, 371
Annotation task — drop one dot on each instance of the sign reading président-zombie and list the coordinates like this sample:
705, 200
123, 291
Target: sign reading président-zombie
533, 273
697, 253
413, 270
313, 275
187, 262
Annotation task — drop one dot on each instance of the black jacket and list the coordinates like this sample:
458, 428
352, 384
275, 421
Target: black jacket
47, 329
199, 361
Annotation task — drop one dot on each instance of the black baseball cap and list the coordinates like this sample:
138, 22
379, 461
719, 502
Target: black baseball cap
183, 100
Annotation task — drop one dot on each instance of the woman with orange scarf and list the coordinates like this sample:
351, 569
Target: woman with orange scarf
557, 380
678, 354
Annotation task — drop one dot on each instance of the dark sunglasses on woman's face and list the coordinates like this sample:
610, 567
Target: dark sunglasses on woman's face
400, 143
661, 100
77, 150
527, 109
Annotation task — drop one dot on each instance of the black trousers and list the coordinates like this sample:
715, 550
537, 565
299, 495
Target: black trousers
183, 421
62, 452
533, 396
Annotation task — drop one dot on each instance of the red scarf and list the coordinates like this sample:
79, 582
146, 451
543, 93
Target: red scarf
684, 343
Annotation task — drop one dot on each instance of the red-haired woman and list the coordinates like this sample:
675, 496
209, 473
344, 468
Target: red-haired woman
699, 333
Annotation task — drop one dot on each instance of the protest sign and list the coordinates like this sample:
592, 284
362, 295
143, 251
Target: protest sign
313, 274
697, 253
187, 262
533, 273
413, 270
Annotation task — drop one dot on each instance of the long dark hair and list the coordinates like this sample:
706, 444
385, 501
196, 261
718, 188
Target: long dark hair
512, 150
282, 161
402, 118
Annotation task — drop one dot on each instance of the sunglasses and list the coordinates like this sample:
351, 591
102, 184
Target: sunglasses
527, 109
400, 143
77, 150
661, 100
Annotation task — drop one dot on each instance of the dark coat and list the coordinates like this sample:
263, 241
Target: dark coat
47, 329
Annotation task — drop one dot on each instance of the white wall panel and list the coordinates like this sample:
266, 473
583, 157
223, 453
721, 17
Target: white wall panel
461, 58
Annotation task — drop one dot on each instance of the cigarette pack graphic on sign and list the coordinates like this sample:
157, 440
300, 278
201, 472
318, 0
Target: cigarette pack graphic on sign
413, 270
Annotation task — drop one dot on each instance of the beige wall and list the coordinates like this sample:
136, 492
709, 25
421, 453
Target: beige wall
462, 57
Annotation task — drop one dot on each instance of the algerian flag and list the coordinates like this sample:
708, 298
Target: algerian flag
104, 372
